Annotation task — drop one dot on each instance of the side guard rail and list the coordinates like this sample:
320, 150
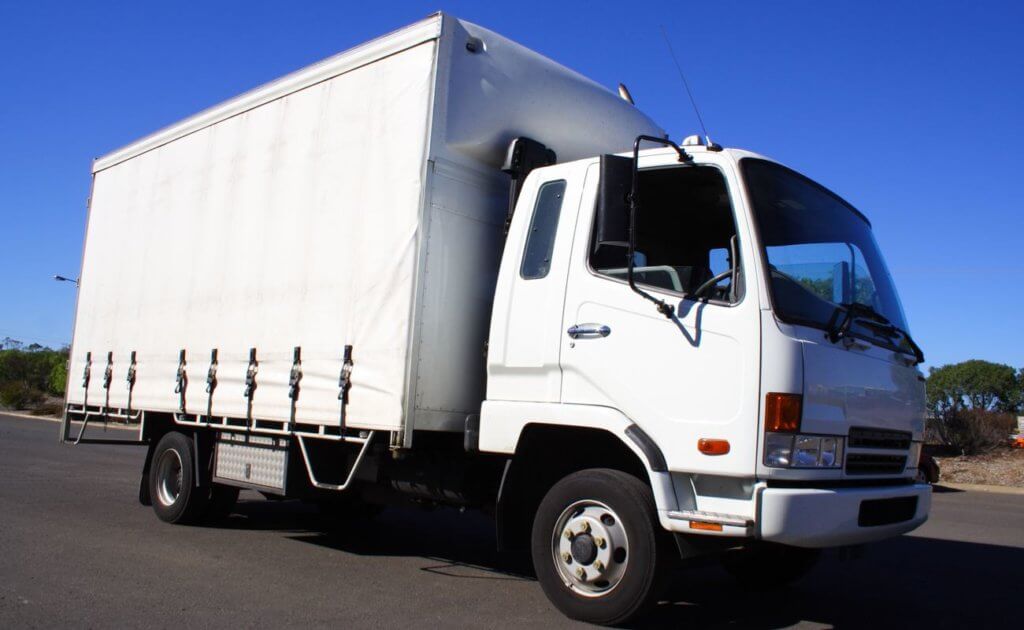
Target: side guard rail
365, 441
85, 415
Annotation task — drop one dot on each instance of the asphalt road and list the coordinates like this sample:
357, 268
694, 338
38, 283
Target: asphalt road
76, 549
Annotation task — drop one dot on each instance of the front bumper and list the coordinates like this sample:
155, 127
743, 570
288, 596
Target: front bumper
818, 517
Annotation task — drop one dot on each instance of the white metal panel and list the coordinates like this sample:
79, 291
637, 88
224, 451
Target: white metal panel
463, 241
867, 387
508, 90
527, 332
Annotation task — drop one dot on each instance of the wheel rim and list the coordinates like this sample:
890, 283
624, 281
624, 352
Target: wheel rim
589, 548
169, 477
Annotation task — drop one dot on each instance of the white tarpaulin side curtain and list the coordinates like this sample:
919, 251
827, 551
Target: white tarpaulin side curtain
291, 224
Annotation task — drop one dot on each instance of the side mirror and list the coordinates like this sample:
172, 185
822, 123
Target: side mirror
611, 229
617, 209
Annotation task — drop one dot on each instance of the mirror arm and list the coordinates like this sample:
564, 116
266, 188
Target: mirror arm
664, 307
734, 253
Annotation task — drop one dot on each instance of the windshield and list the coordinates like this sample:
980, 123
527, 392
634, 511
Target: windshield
821, 253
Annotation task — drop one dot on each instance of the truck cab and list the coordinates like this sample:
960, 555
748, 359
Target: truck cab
758, 366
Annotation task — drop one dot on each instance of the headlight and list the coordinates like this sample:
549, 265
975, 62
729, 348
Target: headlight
785, 450
778, 450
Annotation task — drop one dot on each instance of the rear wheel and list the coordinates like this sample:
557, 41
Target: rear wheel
769, 565
172, 488
598, 550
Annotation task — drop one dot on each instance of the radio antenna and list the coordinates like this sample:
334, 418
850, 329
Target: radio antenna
686, 85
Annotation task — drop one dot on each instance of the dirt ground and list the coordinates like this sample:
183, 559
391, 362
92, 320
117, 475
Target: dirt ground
1003, 467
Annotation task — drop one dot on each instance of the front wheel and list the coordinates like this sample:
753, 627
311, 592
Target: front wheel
598, 550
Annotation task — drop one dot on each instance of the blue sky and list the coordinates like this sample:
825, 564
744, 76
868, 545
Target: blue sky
911, 111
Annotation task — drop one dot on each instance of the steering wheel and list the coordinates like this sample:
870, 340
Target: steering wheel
712, 281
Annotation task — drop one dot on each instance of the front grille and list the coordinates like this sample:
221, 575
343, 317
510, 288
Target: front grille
861, 437
870, 464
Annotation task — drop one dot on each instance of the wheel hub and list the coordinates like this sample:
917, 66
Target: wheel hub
169, 475
583, 549
590, 548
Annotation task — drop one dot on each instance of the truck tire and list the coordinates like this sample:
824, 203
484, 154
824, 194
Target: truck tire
927, 470
176, 499
598, 550
768, 565
222, 500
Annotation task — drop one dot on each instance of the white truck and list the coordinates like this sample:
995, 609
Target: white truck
439, 268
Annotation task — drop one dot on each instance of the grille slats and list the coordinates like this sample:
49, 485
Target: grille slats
872, 464
861, 437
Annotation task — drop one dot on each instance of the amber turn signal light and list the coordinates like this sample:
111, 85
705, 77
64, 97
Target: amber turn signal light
782, 413
704, 526
713, 447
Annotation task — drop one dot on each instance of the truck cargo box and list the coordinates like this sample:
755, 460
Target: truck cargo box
357, 202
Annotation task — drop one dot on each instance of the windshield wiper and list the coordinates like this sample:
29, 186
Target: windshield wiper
855, 310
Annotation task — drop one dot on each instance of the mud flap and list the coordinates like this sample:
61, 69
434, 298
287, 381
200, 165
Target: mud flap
144, 497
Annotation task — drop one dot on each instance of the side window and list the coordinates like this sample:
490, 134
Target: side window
685, 235
540, 240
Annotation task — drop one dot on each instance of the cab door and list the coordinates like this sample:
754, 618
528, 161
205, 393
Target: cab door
691, 376
524, 343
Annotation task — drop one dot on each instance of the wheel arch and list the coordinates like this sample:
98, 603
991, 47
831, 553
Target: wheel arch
547, 452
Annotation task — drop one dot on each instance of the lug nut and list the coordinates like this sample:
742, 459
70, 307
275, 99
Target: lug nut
581, 574
598, 565
567, 557
586, 526
568, 534
599, 541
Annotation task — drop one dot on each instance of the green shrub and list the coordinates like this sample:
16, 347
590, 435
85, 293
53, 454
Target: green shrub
48, 408
58, 379
40, 369
19, 395
973, 431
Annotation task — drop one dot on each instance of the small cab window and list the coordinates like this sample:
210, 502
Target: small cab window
685, 236
540, 240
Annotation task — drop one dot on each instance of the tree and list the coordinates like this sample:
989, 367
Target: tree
974, 385
1019, 402
971, 403
10, 344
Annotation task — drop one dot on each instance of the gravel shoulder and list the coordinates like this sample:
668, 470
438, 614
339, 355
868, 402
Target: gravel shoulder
1004, 467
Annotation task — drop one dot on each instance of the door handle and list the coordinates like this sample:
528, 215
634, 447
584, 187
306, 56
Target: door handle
588, 330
